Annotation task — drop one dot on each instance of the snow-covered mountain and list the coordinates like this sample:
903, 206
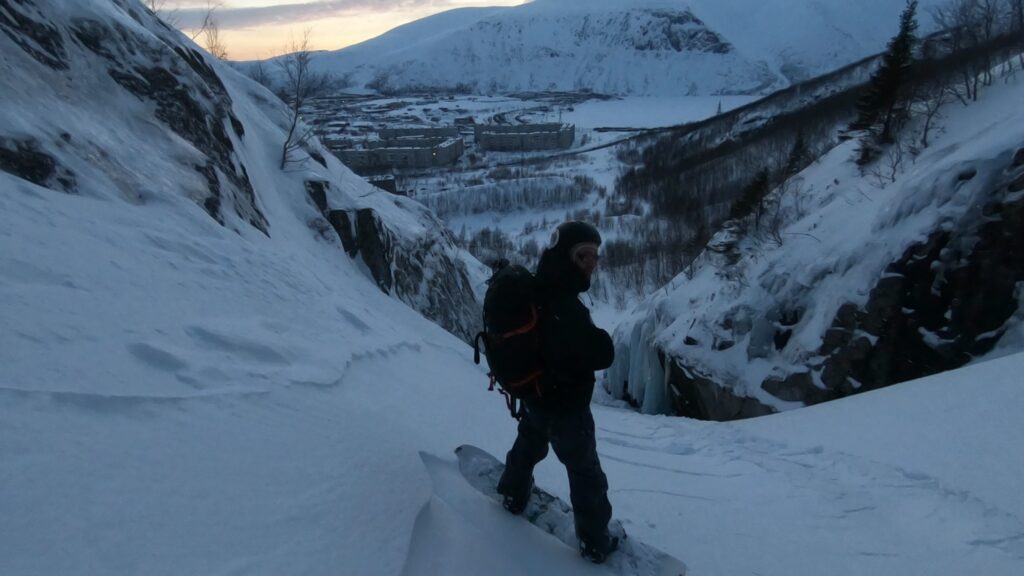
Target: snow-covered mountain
190, 386
638, 47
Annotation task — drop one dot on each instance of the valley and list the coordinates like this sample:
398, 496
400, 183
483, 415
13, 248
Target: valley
505, 203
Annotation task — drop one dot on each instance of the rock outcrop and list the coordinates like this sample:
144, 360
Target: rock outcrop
105, 100
946, 301
758, 333
152, 64
422, 270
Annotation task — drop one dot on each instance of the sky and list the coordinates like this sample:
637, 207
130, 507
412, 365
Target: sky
253, 29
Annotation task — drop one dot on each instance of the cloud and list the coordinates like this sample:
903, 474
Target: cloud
190, 14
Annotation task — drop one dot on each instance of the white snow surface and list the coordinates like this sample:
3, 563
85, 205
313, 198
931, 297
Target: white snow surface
625, 47
840, 230
181, 397
177, 399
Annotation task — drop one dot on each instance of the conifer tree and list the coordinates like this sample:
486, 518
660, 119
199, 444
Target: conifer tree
882, 109
799, 156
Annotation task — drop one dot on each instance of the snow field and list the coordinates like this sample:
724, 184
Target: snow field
180, 397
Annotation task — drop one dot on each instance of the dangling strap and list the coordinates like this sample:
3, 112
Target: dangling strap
510, 401
516, 412
476, 347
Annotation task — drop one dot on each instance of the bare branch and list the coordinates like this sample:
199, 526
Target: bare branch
208, 20
301, 84
933, 95
258, 72
158, 8
212, 41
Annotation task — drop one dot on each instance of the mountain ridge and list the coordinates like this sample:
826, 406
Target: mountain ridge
645, 47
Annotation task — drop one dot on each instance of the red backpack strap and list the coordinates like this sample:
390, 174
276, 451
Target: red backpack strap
534, 317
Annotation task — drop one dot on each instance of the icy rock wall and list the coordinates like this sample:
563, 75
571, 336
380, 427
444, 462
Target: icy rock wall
947, 301
645, 364
943, 302
423, 271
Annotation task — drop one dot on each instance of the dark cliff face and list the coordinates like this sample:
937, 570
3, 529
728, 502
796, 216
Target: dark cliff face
151, 63
945, 301
424, 271
678, 31
644, 30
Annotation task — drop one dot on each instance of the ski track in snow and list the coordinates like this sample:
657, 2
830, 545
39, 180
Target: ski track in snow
836, 494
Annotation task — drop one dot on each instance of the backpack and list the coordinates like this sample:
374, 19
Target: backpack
511, 336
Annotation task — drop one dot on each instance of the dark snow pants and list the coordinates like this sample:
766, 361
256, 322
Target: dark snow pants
571, 434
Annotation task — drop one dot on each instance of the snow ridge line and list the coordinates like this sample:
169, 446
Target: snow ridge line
358, 358
104, 401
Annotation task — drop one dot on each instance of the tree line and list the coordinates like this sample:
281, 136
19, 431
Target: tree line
538, 193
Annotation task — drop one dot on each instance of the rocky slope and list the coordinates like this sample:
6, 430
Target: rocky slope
103, 100
855, 280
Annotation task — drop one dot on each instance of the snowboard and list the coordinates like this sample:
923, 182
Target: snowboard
554, 516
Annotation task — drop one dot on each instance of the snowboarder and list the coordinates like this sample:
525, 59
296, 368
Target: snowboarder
573, 349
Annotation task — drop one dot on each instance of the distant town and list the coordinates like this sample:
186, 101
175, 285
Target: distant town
374, 138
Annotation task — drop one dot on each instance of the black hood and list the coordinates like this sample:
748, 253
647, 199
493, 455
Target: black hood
555, 269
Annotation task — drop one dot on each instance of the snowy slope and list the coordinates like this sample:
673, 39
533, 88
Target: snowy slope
181, 131
766, 326
179, 396
160, 418
635, 47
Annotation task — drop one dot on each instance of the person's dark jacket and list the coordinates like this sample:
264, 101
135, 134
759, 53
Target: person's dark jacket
574, 346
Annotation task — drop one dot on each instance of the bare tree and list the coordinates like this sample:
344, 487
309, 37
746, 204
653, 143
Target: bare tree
971, 23
159, 8
1016, 14
258, 72
932, 96
957, 18
989, 13
212, 41
935, 88
208, 20
888, 170
930, 112
208, 27
300, 84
